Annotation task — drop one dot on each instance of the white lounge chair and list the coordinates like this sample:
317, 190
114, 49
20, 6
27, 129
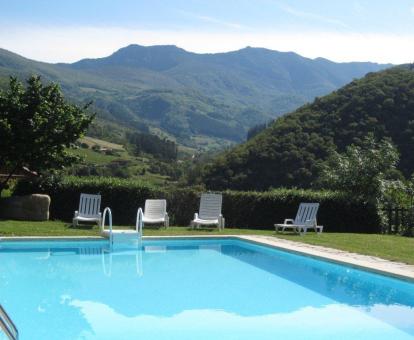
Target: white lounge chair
305, 219
89, 209
209, 212
155, 212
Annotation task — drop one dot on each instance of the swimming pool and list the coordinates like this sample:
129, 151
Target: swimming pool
195, 289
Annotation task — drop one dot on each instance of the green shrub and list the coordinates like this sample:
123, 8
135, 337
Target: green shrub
122, 196
260, 210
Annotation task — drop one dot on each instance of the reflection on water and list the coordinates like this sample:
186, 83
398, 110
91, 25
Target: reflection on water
110, 259
342, 283
155, 249
196, 289
217, 324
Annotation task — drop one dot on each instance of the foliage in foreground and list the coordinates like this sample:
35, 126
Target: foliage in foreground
37, 126
362, 170
369, 173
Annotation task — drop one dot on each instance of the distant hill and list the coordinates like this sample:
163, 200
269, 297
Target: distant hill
184, 94
289, 151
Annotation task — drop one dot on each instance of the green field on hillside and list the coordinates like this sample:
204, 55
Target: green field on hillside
90, 156
103, 157
90, 141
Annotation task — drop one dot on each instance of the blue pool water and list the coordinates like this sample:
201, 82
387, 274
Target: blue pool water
195, 289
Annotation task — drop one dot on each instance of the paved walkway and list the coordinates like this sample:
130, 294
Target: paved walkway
400, 270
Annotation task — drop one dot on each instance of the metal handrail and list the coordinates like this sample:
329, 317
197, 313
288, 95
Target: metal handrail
107, 210
139, 223
7, 325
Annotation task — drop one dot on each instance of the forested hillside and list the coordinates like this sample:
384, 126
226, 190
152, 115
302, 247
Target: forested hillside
191, 98
290, 151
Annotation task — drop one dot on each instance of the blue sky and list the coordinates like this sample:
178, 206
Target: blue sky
340, 30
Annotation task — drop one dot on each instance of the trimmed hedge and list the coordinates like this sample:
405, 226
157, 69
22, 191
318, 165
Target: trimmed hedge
261, 210
256, 210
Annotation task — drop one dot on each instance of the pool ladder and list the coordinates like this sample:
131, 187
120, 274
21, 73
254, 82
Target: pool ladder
7, 325
110, 233
107, 211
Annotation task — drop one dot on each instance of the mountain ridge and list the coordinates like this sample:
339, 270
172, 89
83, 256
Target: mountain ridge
290, 152
186, 94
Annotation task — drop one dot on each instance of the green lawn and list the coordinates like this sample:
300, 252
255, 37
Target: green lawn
390, 247
59, 228
48, 228
395, 248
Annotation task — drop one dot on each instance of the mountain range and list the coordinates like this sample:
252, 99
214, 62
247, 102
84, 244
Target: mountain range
289, 153
192, 98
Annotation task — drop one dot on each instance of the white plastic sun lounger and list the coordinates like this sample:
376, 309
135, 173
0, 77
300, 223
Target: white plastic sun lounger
210, 211
89, 209
305, 219
155, 212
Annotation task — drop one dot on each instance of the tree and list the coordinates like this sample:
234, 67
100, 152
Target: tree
146, 143
37, 126
290, 151
362, 171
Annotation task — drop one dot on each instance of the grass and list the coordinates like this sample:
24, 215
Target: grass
47, 228
390, 247
94, 157
59, 228
102, 143
134, 165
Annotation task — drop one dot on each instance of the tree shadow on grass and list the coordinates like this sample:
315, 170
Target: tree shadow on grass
81, 226
203, 229
287, 234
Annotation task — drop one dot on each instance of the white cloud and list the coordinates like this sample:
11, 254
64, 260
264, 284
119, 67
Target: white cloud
73, 43
412, 10
212, 20
220, 22
301, 14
